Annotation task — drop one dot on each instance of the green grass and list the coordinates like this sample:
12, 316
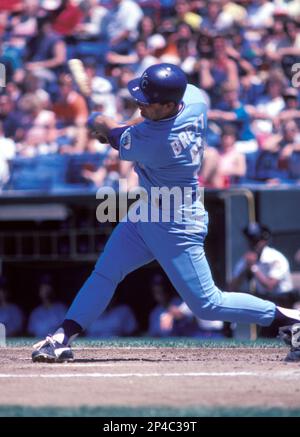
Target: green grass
19, 411
151, 342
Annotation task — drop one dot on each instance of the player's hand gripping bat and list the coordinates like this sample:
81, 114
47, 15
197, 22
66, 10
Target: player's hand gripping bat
97, 128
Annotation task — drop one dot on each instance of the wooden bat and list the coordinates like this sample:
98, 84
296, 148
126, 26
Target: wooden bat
81, 78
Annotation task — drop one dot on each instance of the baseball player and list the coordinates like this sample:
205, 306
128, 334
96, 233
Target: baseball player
166, 145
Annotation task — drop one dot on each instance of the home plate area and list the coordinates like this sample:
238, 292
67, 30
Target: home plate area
152, 380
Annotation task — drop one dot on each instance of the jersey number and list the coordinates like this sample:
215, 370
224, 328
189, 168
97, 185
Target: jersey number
193, 134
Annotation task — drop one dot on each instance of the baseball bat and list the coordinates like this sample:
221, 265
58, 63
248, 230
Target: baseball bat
81, 79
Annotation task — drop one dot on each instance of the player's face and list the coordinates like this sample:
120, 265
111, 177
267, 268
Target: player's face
157, 111
259, 245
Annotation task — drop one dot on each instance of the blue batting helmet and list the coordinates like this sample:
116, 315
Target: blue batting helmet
160, 83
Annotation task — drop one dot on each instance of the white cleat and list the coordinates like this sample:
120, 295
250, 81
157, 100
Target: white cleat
50, 351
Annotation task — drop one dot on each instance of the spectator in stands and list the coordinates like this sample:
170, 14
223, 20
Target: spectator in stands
294, 165
185, 14
90, 25
297, 256
8, 63
214, 72
187, 56
284, 140
276, 35
279, 152
32, 84
272, 103
118, 320
251, 87
7, 152
3, 20
146, 27
11, 5
241, 53
260, 14
25, 24
36, 142
67, 16
267, 167
233, 14
120, 25
126, 106
221, 169
262, 269
204, 328
290, 149
121, 75
139, 60
272, 160
156, 44
210, 23
46, 52
168, 51
48, 314
17, 117
12, 50
291, 108
29, 114
290, 137
71, 110
161, 322
288, 51
14, 91
8, 115
235, 112
103, 99
110, 173
107, 174
10, 314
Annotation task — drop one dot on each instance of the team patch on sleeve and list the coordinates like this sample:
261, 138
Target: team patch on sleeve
125, 140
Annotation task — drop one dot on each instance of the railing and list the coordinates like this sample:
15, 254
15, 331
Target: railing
71, 244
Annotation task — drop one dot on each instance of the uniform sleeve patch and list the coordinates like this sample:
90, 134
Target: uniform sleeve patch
125, 140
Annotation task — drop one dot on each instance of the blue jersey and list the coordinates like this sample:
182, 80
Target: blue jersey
168, 153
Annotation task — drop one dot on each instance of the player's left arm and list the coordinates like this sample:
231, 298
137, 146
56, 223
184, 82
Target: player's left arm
134, 141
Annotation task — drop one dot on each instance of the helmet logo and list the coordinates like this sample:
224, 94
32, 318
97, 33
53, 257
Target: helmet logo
144, 81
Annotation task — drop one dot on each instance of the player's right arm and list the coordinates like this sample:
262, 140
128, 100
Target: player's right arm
107, 130
132, 140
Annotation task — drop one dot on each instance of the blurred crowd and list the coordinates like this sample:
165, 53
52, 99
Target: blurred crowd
168, 317
244, 54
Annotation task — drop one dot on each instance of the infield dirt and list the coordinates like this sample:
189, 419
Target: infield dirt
174, 377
